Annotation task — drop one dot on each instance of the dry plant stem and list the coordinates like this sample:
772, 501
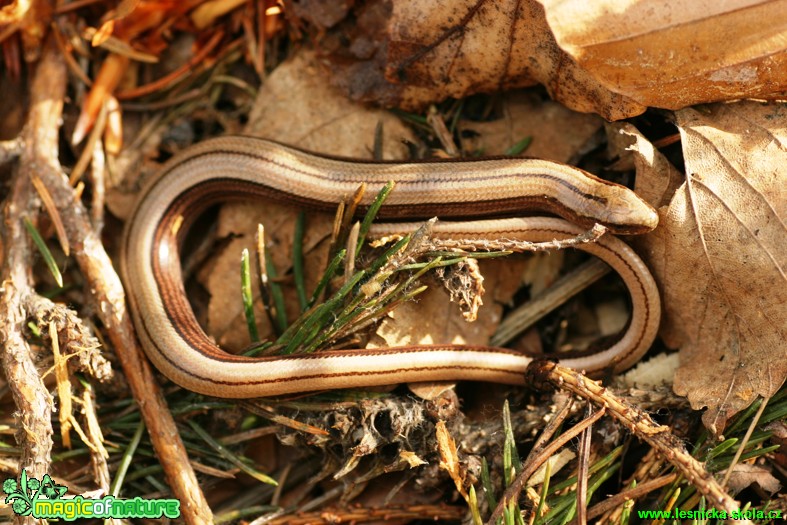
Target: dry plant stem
351, 245
512, 492
262, 270
363, 515
93, 428
97, 179
31, 397
582, 473
474, 245
640, 424
65, 400
630, 494
744, 442
435, 119
51, 209
558, 293
108, 296
552, 426
167, 80
67, 50
87, 152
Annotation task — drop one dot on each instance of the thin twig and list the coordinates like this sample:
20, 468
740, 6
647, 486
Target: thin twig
514, 245
435, 119
553, 425
107, 291
744, 442
32, 398
97, 178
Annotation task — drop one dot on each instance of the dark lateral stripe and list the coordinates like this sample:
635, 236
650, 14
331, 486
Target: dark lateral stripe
468, 209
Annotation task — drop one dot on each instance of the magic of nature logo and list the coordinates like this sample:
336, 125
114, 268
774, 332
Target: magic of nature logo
45, 499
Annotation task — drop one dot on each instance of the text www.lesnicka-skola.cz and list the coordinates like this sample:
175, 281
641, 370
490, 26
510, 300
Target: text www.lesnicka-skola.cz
708, 514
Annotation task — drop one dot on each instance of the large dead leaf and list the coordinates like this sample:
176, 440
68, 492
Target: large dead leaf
297, 106
720, 255
673, 54
430, 51
744, 475
611, 57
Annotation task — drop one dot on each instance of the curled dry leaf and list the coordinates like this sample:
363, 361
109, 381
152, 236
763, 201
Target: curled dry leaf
721, 257
657, 179
673, 54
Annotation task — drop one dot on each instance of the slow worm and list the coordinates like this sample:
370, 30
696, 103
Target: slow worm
242, 167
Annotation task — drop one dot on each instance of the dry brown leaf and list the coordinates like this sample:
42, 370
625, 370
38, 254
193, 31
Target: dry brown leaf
431, 51
295, 106
320, 13
557, 133
449, 457
612, 57
225, 317
744, 475
720, 256
433, 319
657, 179
431, 390
673, 54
